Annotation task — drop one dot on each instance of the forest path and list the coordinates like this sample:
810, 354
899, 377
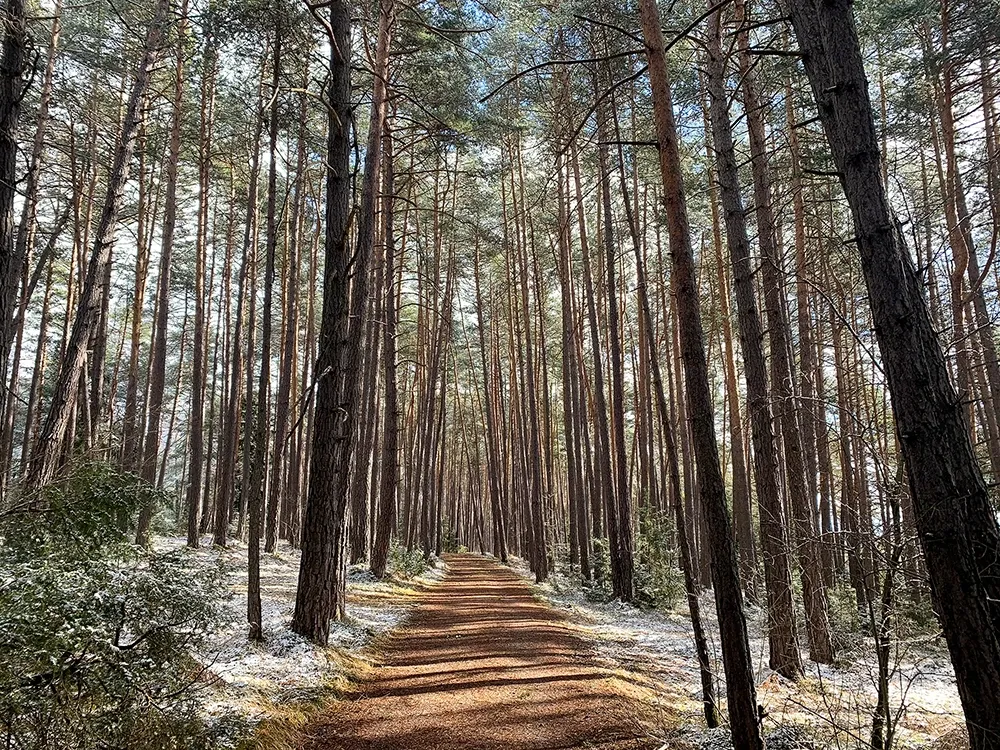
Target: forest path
482, 665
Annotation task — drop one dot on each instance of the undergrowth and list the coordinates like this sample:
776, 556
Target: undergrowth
406, 564
657, 580
97, 634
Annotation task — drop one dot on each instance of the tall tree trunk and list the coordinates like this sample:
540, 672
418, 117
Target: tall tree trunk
229, 446
15, 35
256, 488
48, 450
132, 427
389, 476
365, 429
958, 529
13, 66
281, 493
321, 592
687, 564
579, 541
782, 642
737, 662
158, 353
742, 502
620, 508
493, 458
783, 378
196, 444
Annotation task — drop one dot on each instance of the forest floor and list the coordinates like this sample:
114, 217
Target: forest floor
469, 655
266, 689
830, 707
483, 665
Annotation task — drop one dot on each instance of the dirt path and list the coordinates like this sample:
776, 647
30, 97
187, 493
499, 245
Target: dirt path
482, 665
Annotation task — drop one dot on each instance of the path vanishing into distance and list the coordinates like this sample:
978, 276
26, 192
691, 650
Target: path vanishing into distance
482, 665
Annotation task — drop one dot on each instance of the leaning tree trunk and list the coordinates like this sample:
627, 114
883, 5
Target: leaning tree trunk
158, 353
48, 448
957, 528
686, 558
736, 658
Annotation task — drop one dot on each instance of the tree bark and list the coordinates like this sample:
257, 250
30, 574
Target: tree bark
322, 587
783, 378
389, 477
958, 530
13, 66
784, 655
158, 353
256, 489
48, 449
737, 662
196, 443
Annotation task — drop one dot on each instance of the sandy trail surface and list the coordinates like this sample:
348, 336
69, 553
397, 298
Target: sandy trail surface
483, 665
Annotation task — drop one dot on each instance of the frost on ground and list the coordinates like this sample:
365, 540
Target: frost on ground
245, 678
834, 704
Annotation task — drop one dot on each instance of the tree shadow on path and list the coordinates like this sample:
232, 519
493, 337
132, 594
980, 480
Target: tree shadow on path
482, 665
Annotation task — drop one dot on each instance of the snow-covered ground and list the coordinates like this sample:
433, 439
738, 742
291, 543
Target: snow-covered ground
246, 679
834, 703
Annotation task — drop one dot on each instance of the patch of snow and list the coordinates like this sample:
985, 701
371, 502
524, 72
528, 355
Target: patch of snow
284, 666
829, 699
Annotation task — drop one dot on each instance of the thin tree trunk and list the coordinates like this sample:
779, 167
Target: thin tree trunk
257, 486
389, 476
737, 662
158, 353
48, 450
201, 302
782, 383
782, 642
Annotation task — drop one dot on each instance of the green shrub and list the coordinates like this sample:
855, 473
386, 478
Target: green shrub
658, 579
846, 623
97, 635
599, 588
916, 618
404, 563
449, 540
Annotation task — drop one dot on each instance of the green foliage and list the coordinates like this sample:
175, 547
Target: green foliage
97, 635
658, 580
916, 617
449, 540
599, 588
89, 510
846, 624
404, 563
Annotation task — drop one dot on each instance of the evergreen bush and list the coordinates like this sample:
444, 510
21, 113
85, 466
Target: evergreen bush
97, 636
